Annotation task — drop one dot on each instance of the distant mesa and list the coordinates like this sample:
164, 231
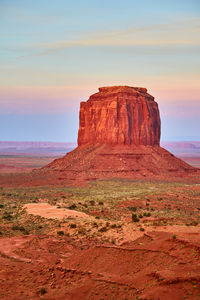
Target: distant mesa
119, 137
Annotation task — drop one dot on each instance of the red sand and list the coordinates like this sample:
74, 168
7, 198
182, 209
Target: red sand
155, 266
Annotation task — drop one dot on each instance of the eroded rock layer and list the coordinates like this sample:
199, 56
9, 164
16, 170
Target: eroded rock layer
89, 162
119, 115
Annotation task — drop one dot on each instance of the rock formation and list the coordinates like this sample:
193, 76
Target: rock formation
119, 136
119, 115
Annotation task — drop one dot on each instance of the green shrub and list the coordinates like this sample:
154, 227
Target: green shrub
73, 206
135, 218
73, 225
7, 216
60, 232
103, 229
43, 291
147, 214
113, 226
132, 208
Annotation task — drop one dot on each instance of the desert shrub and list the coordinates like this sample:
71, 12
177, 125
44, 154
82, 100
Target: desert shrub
135, 218
92, 202
1, 206
100, 203
113, 226
132, 208
141, 229
60, 232
194, 223
147, 214
73, 225
174, 237
73, 206
85, 205
103, 229
20, 228
140, 216
7, 216
43, 291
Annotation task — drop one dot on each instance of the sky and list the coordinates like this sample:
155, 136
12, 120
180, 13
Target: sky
54, 54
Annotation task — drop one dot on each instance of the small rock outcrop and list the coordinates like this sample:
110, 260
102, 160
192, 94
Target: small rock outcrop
119, 115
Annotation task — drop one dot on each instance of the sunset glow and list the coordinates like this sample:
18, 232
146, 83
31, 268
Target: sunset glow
55, 54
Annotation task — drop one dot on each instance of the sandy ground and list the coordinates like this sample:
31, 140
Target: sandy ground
46, 210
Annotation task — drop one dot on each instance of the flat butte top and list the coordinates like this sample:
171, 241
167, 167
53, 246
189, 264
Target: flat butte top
110, 91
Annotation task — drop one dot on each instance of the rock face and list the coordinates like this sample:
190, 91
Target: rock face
119, 115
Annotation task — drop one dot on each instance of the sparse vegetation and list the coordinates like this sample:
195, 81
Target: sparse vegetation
60, 232
43, 291
135, 218
73, 225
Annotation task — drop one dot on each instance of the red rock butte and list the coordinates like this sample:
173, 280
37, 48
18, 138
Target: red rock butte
119, 137
119, 115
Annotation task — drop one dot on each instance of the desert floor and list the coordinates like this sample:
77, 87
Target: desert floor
105, 239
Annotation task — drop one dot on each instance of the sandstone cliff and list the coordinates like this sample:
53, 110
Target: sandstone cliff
119, 115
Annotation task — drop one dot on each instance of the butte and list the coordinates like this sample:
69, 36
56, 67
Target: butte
119, 137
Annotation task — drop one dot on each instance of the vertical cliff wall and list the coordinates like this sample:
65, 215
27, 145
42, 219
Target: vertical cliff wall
119, 115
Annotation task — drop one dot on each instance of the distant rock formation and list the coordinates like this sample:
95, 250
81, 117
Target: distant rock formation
119, 115
119, 137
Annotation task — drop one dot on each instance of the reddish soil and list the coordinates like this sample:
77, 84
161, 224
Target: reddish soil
163, 262
154, 266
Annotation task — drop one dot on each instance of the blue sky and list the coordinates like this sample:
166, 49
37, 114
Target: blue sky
54, 54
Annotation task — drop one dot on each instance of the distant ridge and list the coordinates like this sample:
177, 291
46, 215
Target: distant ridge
43, 148
182, 147
60, 148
